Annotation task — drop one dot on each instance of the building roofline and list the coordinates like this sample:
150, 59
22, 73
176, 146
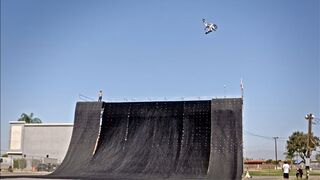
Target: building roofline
17, 122
41, 124
49, 124
14, 152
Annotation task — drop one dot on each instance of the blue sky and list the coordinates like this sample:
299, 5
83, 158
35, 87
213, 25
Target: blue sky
54, 50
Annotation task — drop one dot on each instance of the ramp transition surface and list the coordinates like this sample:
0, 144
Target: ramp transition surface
156, 140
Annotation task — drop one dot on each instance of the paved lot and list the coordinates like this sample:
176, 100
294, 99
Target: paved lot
26, 178
15, 176
278, 178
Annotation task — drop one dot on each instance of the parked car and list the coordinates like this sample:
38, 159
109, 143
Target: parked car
46, 167
43, 167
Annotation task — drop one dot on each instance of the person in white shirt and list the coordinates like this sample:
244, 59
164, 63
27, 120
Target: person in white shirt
100, 96
286, 170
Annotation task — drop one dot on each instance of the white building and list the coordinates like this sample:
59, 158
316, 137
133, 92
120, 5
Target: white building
45, 140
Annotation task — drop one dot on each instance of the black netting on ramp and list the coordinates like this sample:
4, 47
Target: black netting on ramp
156, 139
149, 140
83, 140
195, 140
226, 139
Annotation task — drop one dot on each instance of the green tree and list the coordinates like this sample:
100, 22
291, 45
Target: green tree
298, 145
269, 161
29, 118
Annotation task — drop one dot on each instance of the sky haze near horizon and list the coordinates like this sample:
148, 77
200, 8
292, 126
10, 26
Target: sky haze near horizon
52, 51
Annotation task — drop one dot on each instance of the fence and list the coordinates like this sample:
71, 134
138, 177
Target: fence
34, 163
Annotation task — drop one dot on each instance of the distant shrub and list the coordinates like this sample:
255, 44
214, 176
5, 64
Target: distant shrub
19, 163
4, 155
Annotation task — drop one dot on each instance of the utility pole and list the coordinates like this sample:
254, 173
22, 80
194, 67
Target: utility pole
309, 117
275, 150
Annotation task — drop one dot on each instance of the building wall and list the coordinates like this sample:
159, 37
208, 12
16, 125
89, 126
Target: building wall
40, 140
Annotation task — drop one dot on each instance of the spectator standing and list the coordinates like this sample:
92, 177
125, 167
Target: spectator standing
100, 96
286, 170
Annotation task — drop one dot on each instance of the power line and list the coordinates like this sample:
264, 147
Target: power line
264, 137
85, 98
257, 135
316, 121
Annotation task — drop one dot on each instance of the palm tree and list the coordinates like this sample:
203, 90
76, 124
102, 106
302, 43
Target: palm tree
29, 118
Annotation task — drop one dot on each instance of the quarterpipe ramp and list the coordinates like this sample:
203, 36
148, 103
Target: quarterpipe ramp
156, 140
